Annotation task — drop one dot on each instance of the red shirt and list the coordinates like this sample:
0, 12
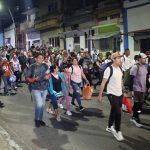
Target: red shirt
6, 67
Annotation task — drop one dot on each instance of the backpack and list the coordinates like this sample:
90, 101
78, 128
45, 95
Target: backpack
111, 73
127, 78
102, 69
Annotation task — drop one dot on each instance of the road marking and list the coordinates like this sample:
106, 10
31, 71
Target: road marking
8, 139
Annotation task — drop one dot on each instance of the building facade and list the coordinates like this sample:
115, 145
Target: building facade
137, 25
10, 36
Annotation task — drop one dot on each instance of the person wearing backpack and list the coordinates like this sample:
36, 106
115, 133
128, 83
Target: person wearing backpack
113, 80
76, 75
138, 75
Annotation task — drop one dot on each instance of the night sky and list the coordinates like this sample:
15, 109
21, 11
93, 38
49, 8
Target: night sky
16, 7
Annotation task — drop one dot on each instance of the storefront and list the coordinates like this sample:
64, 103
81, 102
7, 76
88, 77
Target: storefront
107, 37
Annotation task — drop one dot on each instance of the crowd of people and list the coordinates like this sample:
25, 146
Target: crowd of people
60, 76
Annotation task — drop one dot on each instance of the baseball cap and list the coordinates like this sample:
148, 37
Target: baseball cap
115, 55
143, 55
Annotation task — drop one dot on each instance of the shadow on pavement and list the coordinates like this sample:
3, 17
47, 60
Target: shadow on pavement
65, 124
93, 112
146, 110
136, 144
49, 139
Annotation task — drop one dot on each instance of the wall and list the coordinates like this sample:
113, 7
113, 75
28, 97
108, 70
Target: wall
138, 18
1, 39
47, 34
10, 33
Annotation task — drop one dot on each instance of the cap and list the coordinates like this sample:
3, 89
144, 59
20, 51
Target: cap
143, 55
115, 55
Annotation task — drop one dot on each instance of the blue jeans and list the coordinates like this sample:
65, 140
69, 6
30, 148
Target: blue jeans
76, 92
54, 101
6, 83
39, 97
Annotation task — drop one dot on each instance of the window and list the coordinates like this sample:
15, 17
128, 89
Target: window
112, 43
102, 19
114, 16
55, 41
104, 44
29, 18
76, 39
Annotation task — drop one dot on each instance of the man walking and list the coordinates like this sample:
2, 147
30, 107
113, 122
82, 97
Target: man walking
113, 79
138, 74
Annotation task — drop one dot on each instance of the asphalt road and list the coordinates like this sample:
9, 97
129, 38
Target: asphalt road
82, 131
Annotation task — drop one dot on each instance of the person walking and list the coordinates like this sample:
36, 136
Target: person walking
112, 79
38, 72
76, 75
55, 89
138, 75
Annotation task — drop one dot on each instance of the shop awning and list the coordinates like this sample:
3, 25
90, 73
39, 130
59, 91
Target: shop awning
108, 28
104, 35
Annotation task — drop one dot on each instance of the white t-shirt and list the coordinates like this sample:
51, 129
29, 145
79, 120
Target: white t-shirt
126, 63
114, 86
76, 74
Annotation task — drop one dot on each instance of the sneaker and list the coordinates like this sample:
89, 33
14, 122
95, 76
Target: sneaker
58, 118
68, 113
111, 129
136, 123
42, 123
139, 111
60, 106
118, 135
37, 123
81, 108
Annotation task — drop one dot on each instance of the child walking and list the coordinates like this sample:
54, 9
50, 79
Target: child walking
66, 81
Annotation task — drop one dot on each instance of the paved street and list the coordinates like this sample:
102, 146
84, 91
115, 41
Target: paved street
82, 131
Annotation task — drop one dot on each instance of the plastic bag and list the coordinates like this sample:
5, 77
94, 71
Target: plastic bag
87, 92
126, 105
